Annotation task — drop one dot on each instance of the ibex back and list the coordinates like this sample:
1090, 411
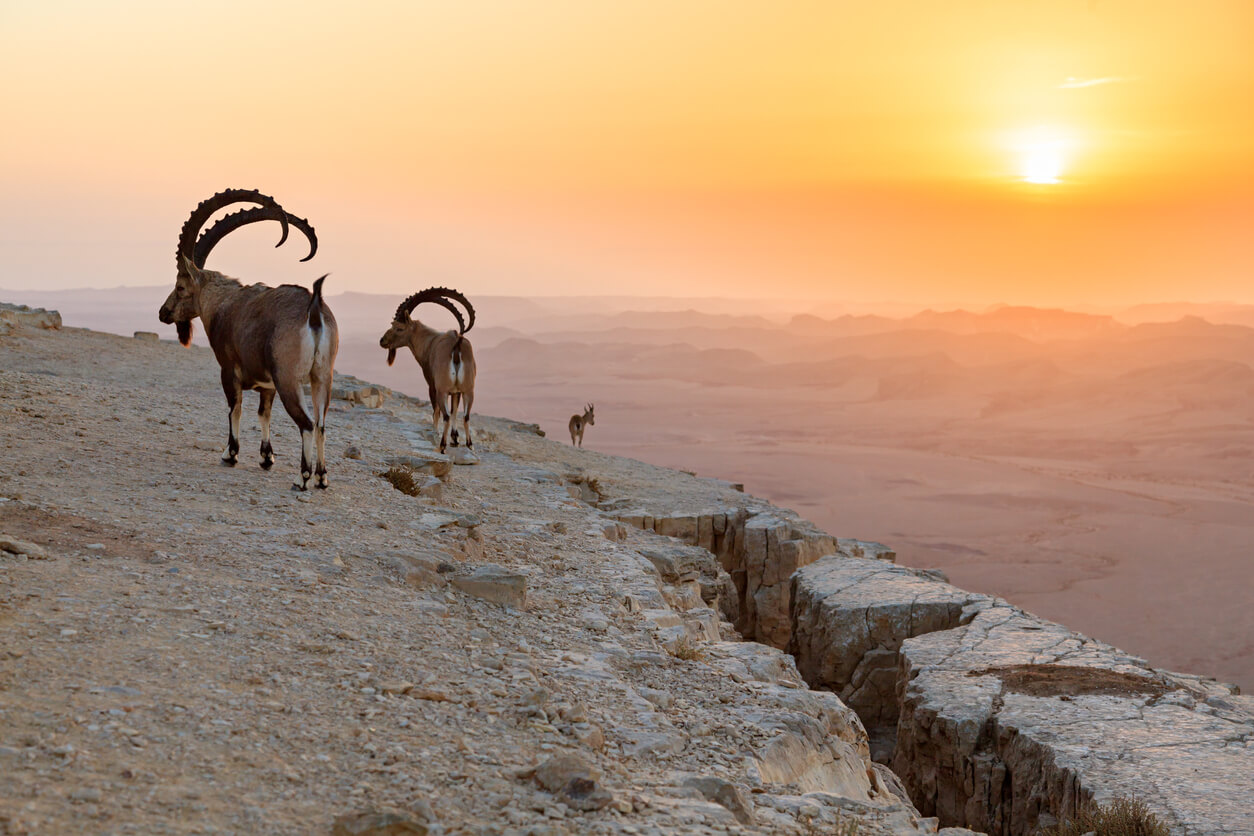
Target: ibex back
270, 339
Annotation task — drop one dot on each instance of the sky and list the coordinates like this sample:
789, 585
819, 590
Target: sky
1060, 152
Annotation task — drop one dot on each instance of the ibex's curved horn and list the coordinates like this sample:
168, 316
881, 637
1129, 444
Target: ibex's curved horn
243, 217
432, 294
470, 309
202, 213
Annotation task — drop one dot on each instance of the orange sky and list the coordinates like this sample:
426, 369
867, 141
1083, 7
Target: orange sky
813, 150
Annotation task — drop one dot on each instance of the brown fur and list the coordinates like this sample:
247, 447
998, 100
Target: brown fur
435, 350
579, 423
258, 335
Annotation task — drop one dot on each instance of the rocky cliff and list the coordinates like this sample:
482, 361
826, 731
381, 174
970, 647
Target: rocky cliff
549, 640
424, 648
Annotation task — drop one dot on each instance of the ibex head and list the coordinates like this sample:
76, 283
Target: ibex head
588, 417
181, 306
400, 334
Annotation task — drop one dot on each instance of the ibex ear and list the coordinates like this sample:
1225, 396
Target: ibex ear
193, 272
391, 355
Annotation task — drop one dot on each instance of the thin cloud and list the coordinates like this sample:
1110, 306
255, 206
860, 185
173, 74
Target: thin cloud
1073, 83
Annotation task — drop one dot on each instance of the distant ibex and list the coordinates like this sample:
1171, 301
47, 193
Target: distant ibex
271, 339
446, 357
579, 422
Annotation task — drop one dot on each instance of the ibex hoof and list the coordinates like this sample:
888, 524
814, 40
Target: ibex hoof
297, 486
228, 462
266, 464
322, 482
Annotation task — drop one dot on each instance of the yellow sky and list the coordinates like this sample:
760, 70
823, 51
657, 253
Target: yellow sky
861, 150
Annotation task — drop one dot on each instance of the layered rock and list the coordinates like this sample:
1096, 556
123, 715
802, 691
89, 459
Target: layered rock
24, 316
759, 546
1005, 721
849, 619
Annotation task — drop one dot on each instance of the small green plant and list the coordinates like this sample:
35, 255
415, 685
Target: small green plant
402, 478
1121, 817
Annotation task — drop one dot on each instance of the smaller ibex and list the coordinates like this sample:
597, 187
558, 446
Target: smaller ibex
579, 422
446, 357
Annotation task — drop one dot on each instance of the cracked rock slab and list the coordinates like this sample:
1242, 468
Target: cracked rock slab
1009, 720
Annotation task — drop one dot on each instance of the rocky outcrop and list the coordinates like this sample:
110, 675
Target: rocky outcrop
849, 619
24, 316
1004, 721
759, 546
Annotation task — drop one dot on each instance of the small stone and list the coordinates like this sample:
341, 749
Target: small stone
15, 546
557, 772
67, 632
495, 584
462, 456
726, 794
352, 451
378, 823
396, 687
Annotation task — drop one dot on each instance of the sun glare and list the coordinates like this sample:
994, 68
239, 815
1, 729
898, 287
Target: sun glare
1043, 153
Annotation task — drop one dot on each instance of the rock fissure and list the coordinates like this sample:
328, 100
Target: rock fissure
982, 755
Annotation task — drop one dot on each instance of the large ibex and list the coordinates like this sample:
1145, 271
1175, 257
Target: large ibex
446, 357
271, 339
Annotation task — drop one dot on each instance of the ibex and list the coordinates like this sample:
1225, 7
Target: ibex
271, 339
579, 422
446, 357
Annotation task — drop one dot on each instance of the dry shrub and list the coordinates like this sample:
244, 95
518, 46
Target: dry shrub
1121, 817
402, 478
686, 650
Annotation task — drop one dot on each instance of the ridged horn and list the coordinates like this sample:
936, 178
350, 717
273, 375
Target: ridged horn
230, 223
435, 295
206, 208
470, 309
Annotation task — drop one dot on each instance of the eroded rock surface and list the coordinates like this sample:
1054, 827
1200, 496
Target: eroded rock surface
204, 650
1004, 721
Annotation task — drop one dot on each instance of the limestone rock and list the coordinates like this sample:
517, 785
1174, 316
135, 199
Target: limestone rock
574, 782
433, 464
462, 456
865, 548
147, 336
378, 823
496, 584
850, 616
370, 396
24, 316
15, 546
775, 546
734, 797
1074, 719
419, 570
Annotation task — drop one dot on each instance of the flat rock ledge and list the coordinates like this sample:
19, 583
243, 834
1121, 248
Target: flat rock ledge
1004, 721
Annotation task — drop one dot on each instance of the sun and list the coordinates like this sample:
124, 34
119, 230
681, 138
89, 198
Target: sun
1043, 154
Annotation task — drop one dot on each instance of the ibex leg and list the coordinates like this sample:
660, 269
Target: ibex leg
234, 403
263, 416
290, 395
